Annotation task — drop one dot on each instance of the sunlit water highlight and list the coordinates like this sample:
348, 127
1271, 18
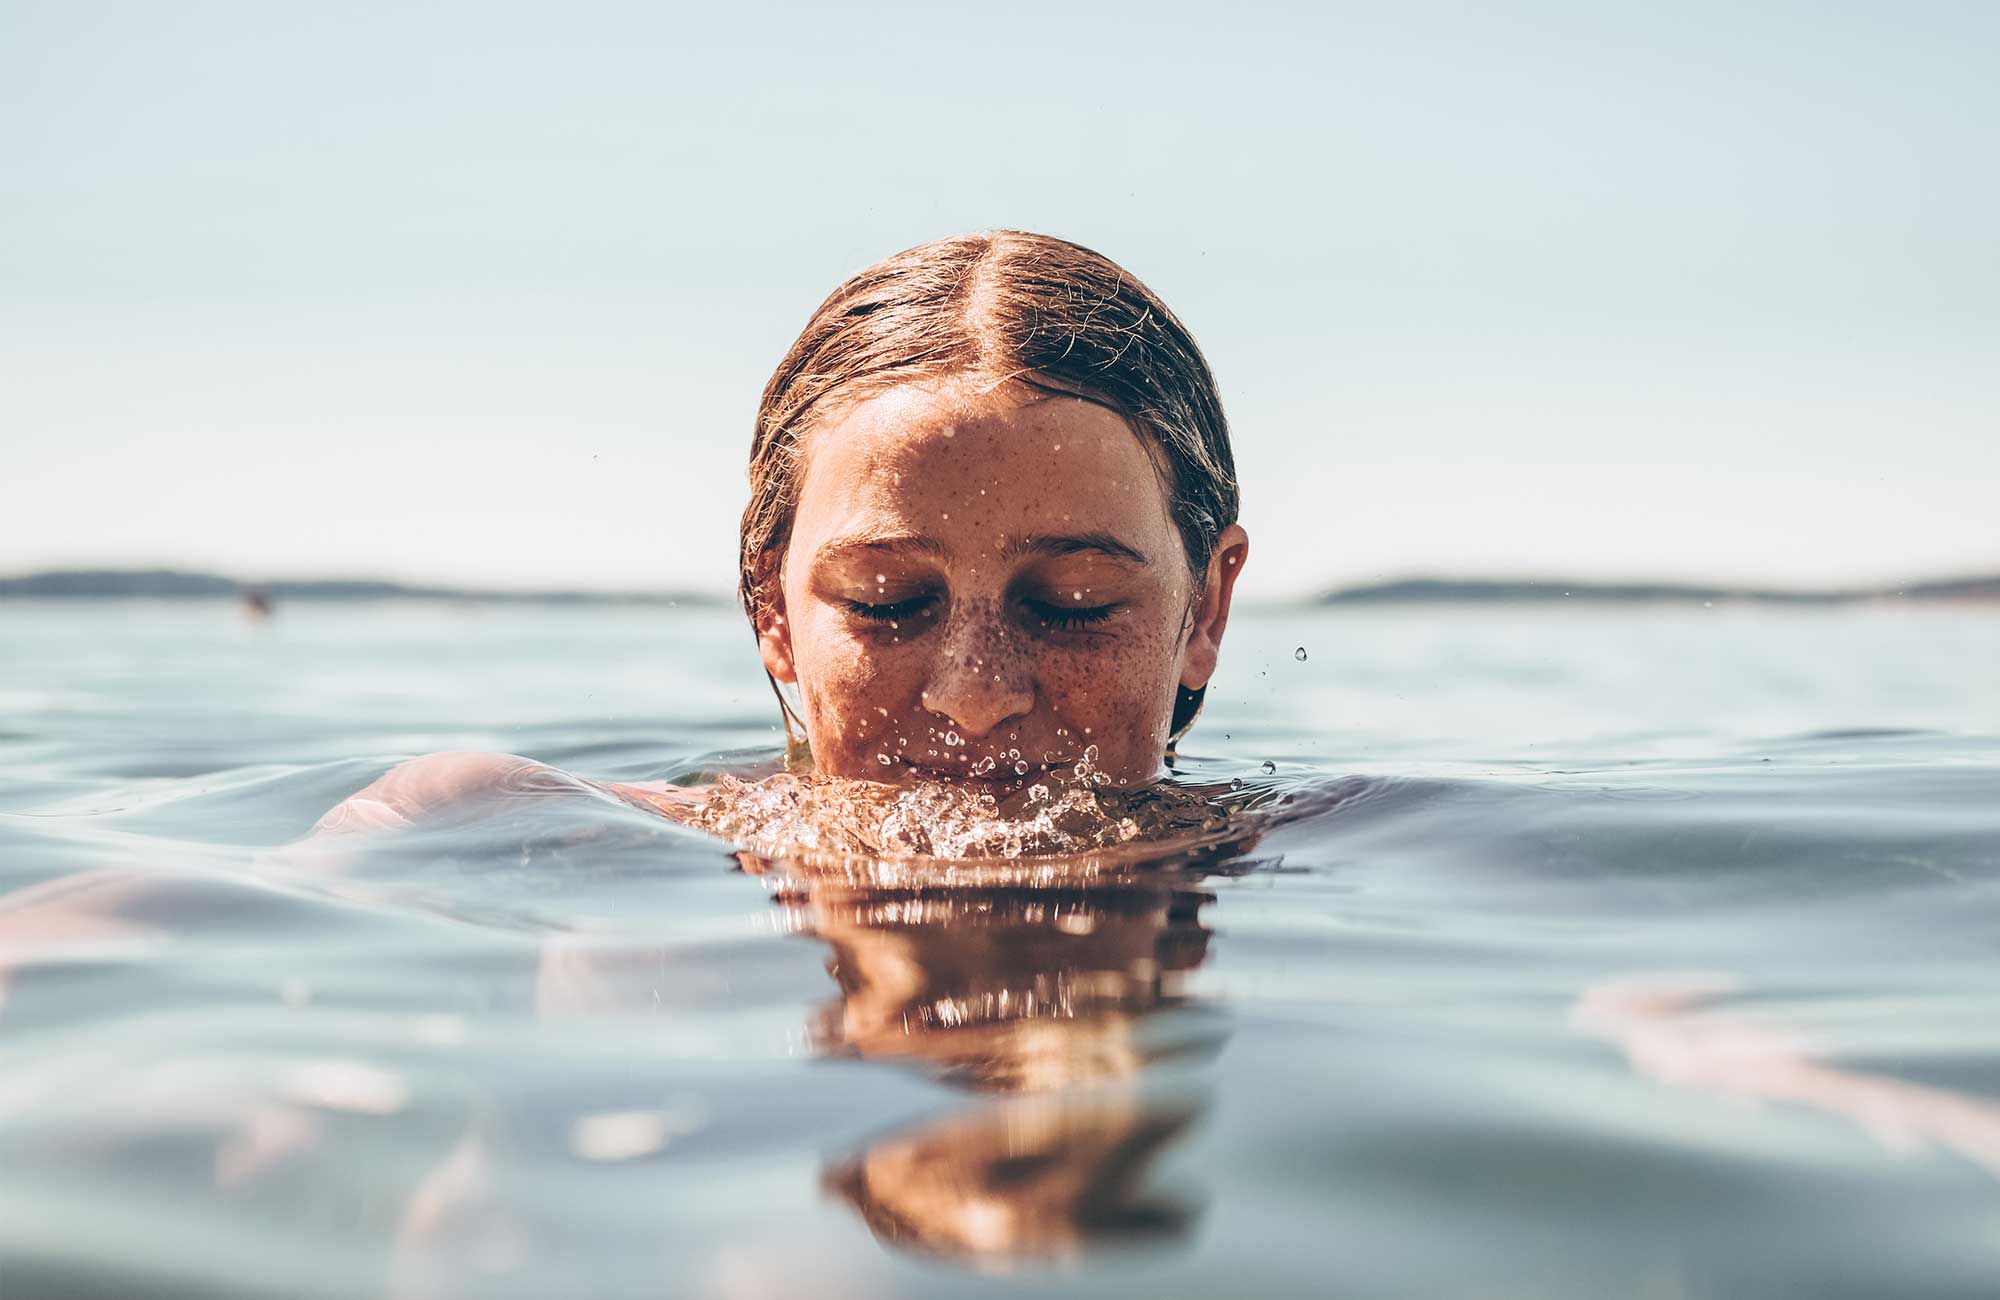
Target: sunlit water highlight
1564, 952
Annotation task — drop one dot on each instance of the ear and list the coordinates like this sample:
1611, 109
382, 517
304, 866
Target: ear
774, 633
1211, 613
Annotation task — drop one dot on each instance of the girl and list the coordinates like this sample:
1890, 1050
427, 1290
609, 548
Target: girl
991, 538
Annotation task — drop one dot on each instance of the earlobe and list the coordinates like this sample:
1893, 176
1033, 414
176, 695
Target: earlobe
777, 659
1211, 615
774, 635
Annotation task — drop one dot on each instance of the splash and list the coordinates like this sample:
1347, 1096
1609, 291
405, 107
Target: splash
1066, 811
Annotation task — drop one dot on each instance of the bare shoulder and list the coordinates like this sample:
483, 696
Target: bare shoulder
461, 784
679, 802
434, 783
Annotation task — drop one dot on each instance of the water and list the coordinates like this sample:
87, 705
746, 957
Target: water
1597, 952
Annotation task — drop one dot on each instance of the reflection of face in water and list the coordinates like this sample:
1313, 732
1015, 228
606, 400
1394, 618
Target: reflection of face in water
1064, 994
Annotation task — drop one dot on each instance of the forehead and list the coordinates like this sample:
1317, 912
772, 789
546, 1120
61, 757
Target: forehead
1007, 458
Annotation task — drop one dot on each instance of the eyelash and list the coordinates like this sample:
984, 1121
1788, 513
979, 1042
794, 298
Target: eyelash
1061, 617
1070, 617
895, 613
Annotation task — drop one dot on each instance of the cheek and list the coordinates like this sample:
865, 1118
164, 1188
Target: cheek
1122, 691
854, 691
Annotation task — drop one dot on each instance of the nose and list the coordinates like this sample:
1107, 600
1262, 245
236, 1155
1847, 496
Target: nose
981, 677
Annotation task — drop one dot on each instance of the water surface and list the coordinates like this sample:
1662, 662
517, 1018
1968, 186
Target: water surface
1597, 951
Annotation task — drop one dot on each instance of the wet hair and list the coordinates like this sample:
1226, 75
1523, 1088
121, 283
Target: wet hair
1012, 306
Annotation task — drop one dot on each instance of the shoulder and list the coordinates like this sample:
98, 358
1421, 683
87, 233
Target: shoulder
436, 782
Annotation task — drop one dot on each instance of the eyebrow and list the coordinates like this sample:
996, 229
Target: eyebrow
871, 543
1095, 542
1100, 543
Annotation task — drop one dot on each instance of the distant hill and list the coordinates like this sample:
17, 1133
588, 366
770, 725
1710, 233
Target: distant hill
1456, 590
173, 584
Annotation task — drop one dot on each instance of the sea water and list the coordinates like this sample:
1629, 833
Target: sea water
1567, 951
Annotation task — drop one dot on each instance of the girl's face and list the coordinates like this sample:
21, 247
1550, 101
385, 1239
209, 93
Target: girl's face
982, 583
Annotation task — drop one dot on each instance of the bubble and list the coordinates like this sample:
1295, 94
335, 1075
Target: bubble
1020, 769
1299, 654
884, 759
1269, 767
951, 738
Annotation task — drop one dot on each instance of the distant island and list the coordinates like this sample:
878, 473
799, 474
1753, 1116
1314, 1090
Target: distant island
176, 584
1455, 590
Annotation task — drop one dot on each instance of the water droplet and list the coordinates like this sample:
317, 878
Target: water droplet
1299, 654
1236, 783
1269, 767
884, 759
881, 579
951, 737
1020, 769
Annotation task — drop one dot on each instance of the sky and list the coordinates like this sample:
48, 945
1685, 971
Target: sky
485, 292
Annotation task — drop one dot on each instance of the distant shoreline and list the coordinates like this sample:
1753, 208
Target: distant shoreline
1474, 590
177, 584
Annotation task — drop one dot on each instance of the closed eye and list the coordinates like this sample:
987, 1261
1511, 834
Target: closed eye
1066, 617
891, 613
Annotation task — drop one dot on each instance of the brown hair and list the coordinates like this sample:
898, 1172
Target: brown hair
1011, 305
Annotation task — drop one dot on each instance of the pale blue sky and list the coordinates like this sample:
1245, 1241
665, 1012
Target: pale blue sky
485, 292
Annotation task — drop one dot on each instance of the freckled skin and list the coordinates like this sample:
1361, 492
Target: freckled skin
922, 622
